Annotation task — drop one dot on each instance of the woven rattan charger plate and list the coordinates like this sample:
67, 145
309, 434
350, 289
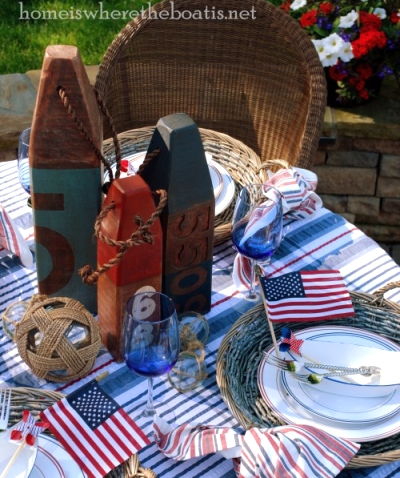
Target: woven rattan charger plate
241, 162
241, 351
35, 400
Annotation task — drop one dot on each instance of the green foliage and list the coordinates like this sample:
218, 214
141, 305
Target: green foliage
27, 27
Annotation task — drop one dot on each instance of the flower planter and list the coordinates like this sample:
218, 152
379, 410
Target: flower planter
373, 85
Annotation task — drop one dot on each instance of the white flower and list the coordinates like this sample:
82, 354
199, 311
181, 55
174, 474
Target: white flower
334, 42
298, 4
346, 53
327, 56
380, 12
348, 20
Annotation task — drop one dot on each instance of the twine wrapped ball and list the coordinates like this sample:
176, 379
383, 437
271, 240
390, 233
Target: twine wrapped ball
58, 338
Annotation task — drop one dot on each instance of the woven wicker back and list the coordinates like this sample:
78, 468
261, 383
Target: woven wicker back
257, 79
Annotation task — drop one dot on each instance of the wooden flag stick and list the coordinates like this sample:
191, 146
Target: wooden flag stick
13, 458
271, 328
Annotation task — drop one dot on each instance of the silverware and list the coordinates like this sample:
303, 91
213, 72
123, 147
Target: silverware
315, 378
5, 406
294, 367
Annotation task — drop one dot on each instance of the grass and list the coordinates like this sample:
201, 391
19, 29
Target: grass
25, 32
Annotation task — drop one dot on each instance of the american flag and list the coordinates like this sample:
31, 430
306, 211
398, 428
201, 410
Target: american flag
307, 296
94, 429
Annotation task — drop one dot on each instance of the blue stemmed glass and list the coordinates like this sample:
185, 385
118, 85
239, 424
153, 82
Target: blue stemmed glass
150, 339
257, 226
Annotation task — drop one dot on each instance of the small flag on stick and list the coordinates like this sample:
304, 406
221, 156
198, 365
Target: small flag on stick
307, 296
94, 429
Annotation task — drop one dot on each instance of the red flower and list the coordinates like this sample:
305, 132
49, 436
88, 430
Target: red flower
286, 6
368, 39
370, 20
326, 8
337, 74
364, 70
363, 94
308, 19
395, 17
358, 83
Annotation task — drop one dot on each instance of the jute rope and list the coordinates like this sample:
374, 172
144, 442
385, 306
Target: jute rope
142, 235
114, 134
190, 369
42, 338
84, 132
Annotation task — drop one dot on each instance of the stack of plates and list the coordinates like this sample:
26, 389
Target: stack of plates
359, 419
48, 460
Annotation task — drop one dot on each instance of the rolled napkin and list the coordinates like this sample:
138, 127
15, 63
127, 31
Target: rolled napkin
299, 201
263, 215
297, 187
285, 451
12, 240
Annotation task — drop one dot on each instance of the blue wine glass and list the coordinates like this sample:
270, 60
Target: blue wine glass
150, 339
257, 226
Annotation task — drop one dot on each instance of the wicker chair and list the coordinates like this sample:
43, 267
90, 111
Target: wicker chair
258, 80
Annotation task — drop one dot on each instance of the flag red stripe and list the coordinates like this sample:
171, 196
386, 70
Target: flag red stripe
62, 432
86, 433
118, 442
297, 303
141, 435
305, 310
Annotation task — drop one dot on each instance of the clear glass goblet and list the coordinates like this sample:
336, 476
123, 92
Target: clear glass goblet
151, 342
257, 226
23, 160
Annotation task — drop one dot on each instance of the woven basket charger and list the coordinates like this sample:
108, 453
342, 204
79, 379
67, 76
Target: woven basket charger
241, 351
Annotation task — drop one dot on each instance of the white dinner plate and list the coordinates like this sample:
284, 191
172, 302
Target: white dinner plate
341, 410
292, 411
345, 409
53, 461
223, 184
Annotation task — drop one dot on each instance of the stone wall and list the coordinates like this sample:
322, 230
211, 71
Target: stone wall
358, 166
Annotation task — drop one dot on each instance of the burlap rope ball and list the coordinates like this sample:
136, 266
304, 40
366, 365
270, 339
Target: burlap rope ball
42, 340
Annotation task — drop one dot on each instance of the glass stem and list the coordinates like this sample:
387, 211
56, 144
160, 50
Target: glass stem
150, 410
252, 295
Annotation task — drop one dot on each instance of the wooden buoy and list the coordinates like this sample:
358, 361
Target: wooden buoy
141, 265
188, 220
66, 176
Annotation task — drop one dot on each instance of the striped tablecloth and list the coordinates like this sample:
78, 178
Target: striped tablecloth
326, 241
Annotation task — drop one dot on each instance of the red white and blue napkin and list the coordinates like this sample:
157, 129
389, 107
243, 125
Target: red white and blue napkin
287, 451
27, 429
11, 239
299, 200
